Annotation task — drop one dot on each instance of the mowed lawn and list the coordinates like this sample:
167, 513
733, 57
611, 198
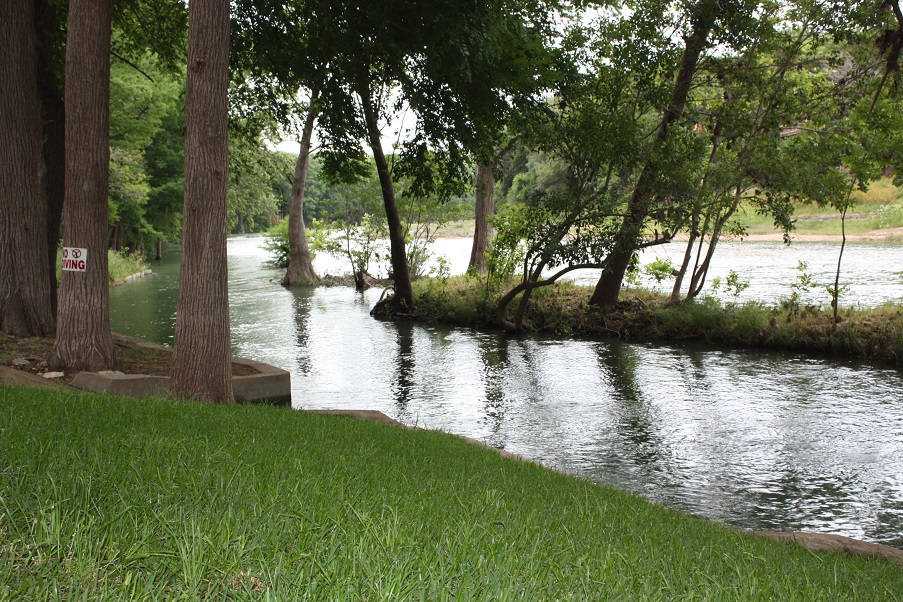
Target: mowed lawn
112, 498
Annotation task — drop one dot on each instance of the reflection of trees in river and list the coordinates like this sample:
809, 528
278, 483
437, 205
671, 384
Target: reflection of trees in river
493, 352
634, 415
692, 368
301, 301
404, 382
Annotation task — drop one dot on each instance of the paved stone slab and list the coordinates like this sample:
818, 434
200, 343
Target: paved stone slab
270, 385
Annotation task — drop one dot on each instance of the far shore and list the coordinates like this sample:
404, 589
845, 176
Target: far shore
884, 235
890, 235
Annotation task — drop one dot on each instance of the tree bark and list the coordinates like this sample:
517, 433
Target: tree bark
483, 208
26, 300
608, 288
83, 338
300, 266
202, 357
404, 294
54, 116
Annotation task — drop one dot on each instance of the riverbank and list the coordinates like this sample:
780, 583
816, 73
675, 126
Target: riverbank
872, 334
181, 500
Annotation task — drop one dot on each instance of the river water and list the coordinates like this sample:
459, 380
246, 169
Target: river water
773, 441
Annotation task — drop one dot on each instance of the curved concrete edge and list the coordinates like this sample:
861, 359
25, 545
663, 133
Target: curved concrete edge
826, 542
271, 385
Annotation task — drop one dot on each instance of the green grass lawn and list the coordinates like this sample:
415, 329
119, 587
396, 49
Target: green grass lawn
111, 498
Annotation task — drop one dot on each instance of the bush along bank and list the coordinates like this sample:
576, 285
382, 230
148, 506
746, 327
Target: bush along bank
875, 334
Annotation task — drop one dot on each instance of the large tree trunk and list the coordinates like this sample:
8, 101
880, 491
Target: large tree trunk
202, 357
26, 301
83, 338
483, 208
300, 266
401, 277
608, 288
54, 116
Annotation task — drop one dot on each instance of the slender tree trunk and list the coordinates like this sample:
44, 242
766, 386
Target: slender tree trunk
54, 116
83, 338
688, 255
404, 294
26, 300
701, 271
159, 255
483, 208
202, 357
608, 288
300, 266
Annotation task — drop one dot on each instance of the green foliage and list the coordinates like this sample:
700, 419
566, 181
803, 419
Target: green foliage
733, 285
122, 265
801, 286
275, 241
362, 244
659, 269
141, 111
442, 271
873, 334
257, 190
128, 194
422, 218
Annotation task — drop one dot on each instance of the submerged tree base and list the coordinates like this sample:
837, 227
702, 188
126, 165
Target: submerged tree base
873, 334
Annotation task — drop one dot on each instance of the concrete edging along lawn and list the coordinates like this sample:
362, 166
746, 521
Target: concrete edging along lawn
270, 384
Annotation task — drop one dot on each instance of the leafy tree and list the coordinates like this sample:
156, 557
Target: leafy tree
671, 142
255, 175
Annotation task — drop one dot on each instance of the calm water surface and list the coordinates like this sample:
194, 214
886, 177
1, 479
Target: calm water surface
756, 440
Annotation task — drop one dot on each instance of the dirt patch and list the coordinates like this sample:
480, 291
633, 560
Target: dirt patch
133, 356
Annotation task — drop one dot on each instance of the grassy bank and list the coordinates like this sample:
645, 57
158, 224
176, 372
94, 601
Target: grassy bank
120, 265
871, 334
123, 265
879, 208
105, 497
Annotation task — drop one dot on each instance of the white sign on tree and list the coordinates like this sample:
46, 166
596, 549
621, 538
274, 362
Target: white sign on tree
75, 259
